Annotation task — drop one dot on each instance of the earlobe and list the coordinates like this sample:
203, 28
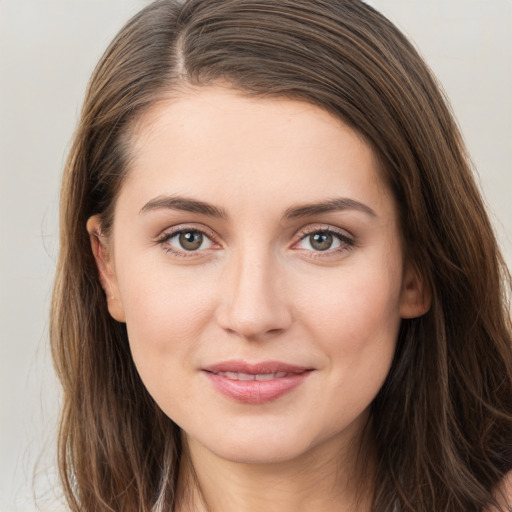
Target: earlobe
106, 271
416, 294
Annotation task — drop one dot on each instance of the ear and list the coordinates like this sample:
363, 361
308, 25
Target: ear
416, 294
106, 271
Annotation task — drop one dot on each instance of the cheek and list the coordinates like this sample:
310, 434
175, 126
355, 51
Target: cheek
165, 314
356, 326
354, 309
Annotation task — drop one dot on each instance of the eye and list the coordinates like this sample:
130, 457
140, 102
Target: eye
190, 240
324, 240
186, 241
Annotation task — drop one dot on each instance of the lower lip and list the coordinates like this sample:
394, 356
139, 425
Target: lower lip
256, 391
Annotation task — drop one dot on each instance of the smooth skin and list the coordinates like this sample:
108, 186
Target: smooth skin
258, 230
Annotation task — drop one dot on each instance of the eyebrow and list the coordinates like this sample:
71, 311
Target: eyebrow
295, 212
331, 205
184, 204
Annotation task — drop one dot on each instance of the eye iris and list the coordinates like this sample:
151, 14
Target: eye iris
321, 241
191, 240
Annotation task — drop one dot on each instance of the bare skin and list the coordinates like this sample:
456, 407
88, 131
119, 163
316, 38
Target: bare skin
259, 231
324, 480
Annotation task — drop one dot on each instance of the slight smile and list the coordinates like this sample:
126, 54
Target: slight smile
255, 383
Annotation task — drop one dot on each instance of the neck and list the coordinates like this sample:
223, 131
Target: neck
322, 479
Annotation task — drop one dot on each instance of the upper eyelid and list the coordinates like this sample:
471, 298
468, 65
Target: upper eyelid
308, 230
180, 228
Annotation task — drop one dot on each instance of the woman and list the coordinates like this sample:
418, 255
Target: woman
278, 287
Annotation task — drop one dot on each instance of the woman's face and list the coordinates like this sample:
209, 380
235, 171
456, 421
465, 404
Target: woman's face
256, 259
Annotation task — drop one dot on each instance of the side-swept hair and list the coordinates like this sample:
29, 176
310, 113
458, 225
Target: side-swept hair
442, 423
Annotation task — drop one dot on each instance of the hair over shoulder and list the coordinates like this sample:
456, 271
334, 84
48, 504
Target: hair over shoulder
442, 423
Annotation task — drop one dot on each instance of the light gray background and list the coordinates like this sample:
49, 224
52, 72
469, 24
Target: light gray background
48, 49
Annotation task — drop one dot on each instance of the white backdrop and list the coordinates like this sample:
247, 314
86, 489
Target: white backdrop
48, 49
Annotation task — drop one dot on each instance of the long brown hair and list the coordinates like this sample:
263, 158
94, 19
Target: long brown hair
442, 422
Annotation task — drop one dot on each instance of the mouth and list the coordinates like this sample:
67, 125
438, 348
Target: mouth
252, 376
255, 383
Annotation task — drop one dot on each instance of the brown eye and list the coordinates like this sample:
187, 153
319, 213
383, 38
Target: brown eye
191, 240
185, 242
327, 241
321, 241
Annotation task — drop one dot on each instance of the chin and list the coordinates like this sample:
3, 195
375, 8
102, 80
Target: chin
267, 446
268, 453
258, 448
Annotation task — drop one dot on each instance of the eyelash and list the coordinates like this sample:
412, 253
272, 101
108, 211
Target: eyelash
346, 243
169, 235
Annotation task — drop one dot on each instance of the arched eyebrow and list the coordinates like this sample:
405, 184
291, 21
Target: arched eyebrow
184, 204
331, 205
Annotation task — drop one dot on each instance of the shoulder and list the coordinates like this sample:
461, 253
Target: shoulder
504, 494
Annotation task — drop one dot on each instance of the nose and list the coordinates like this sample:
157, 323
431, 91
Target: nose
253, 304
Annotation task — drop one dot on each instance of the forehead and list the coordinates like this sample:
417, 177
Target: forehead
228, 147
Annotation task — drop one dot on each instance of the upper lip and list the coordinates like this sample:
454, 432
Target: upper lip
255, 368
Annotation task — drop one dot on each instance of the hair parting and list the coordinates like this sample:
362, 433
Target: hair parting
441, 425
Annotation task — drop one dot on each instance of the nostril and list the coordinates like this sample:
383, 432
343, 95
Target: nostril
251, 302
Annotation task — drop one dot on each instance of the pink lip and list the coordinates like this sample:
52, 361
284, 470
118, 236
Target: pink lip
256, 391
